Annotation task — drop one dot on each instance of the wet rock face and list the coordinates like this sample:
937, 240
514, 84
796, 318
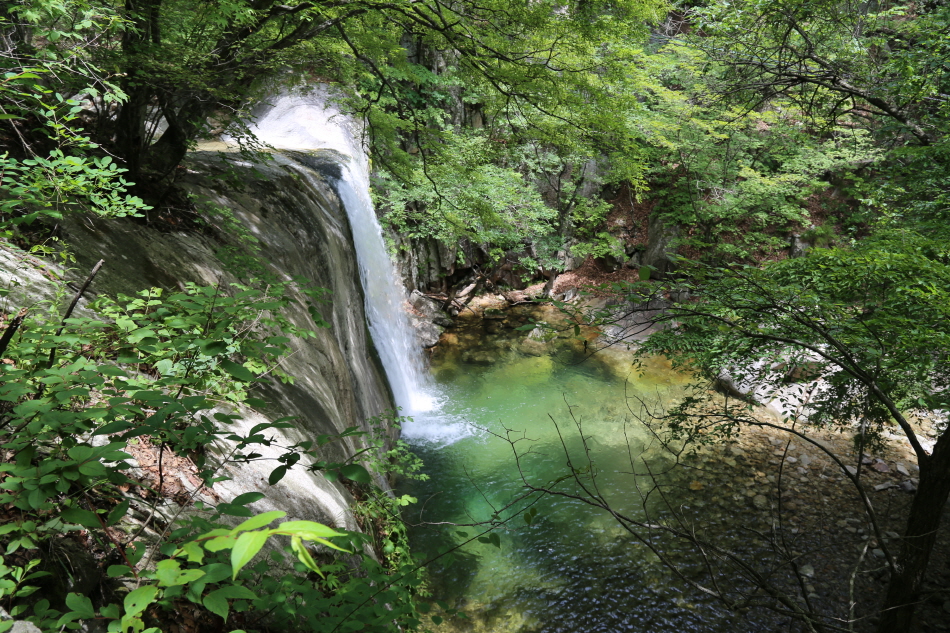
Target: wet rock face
303, 231
427, 318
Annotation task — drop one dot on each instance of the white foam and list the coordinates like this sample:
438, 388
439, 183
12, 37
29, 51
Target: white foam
436, 429
305, 120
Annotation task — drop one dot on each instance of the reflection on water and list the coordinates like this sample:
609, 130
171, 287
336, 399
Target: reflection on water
573, 569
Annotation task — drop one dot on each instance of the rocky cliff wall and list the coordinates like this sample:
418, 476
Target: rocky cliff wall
303, 230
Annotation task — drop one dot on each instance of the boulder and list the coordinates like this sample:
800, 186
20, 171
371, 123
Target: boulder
429, 309
659, 252
19, 626
427, 319
428, 332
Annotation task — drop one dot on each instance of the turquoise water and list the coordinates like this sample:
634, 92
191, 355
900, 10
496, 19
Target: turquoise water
573, 568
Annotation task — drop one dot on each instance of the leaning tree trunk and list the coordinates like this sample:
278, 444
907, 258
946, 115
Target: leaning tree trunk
184, 124
138, 41
904, 588
130, 129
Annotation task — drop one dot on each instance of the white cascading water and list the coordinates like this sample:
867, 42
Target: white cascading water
308, 121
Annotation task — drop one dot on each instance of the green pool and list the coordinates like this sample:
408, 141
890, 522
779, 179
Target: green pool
573, 568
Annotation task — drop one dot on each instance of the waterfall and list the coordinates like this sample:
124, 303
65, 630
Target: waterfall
308, 121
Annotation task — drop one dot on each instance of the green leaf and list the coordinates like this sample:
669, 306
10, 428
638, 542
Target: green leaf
357, 473
118, 513
232, 510
220, 543
169, 573
135, 552
238, 372
166, 571
247, 546
81, 452
217, 600
303, 555
216, 603
138, 600
309, 530
276, 475
92, 469
216, 572
80, 605
193, 552
248, 497
237, 592
81, 517
117, 571
189, 575
214, 348
259, 521
114, 427
491, 539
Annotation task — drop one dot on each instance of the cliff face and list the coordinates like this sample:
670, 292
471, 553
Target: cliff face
303, 230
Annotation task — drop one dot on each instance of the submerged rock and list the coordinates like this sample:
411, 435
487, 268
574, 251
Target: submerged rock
479, 356
527, 371
532, 347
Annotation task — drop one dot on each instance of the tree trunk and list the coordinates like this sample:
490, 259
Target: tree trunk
184, 124
903, 591
138, 37
130, 128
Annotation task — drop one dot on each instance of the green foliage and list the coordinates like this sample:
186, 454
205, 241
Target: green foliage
404, 62
172, 368
48, 163
542, 82
392, 456
589, 218
858, 325
157, 367
212, 569
67, 178
877, 69
46, 187
821, 236
541, 136
467, 192
738, 180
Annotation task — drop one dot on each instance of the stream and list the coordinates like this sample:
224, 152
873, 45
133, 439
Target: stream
573, 568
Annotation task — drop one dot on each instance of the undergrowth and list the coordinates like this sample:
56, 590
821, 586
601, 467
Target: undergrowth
173, 373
